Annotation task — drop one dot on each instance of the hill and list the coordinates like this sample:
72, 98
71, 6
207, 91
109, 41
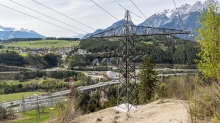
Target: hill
172, 111
163, 49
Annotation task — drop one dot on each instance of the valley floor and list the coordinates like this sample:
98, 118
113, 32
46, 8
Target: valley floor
170, 111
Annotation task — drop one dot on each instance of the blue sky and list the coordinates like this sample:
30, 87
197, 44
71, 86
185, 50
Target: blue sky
84, 11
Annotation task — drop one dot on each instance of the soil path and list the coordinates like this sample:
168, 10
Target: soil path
171, 111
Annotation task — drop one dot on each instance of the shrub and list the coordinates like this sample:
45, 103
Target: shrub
205, 104
178, 87
99, 119
163, 90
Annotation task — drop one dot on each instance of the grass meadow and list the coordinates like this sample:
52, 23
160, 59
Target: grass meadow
31, 116
44, 44
16, 96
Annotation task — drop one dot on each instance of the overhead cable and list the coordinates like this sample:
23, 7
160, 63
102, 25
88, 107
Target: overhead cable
179, 15
40, 19
143, 14
104, 10
128, 10
62, 14
47, 16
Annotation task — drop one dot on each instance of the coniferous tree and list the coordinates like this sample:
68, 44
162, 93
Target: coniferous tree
148, 79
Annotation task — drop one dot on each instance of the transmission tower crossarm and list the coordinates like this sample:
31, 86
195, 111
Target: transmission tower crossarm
138, 31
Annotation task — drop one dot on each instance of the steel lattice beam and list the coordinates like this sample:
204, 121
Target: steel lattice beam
137, 31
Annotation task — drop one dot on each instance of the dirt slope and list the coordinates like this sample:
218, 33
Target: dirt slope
171, 111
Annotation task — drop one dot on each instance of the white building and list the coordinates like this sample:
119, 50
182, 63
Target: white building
82, 51
112, 75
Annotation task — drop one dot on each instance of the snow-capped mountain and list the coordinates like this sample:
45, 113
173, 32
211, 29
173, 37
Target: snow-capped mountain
166, 16
169, 18
8, 32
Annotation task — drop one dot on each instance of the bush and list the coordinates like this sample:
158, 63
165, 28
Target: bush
178, 87
205, 104
163, 90
66, 79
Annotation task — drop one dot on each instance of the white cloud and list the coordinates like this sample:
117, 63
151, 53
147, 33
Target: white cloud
84, 11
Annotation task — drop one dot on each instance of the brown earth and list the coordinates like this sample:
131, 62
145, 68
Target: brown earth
168, 111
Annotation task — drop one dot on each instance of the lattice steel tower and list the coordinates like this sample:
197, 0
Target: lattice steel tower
127, 90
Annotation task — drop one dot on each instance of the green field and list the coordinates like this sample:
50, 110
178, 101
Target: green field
149, 42
31, 117
16, 96
36, 81
16, 82
43, 44
24, 54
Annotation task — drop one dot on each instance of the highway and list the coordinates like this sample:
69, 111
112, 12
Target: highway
100, 84
58, 95
53, 95
41, 103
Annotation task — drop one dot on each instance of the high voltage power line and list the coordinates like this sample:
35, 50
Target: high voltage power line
39, 19
105, 10
129, 10
138, 9
47, 16
62, 14
190, 35
179, 15
143, 14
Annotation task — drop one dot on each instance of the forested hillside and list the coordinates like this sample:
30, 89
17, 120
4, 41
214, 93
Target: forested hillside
14, 59
163, 49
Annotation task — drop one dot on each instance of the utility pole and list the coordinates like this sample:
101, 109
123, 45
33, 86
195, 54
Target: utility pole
51, 99
23, 105
127, 90
2, 111
37, 111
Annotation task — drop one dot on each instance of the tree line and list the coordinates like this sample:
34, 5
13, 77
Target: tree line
99, 45
27, 74
14, 59
46, 86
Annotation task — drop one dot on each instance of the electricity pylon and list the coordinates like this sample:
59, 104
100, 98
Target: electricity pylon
127, 91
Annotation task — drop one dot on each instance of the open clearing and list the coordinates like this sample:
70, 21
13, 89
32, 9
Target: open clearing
149, 42
43, 44
31, 116
16, 82
171, 111
32, 81
16, 96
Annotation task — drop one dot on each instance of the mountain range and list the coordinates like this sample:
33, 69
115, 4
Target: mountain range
7, 33
169, 18
114, 25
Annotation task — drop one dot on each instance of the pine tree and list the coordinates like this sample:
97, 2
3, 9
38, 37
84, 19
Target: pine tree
148, 79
